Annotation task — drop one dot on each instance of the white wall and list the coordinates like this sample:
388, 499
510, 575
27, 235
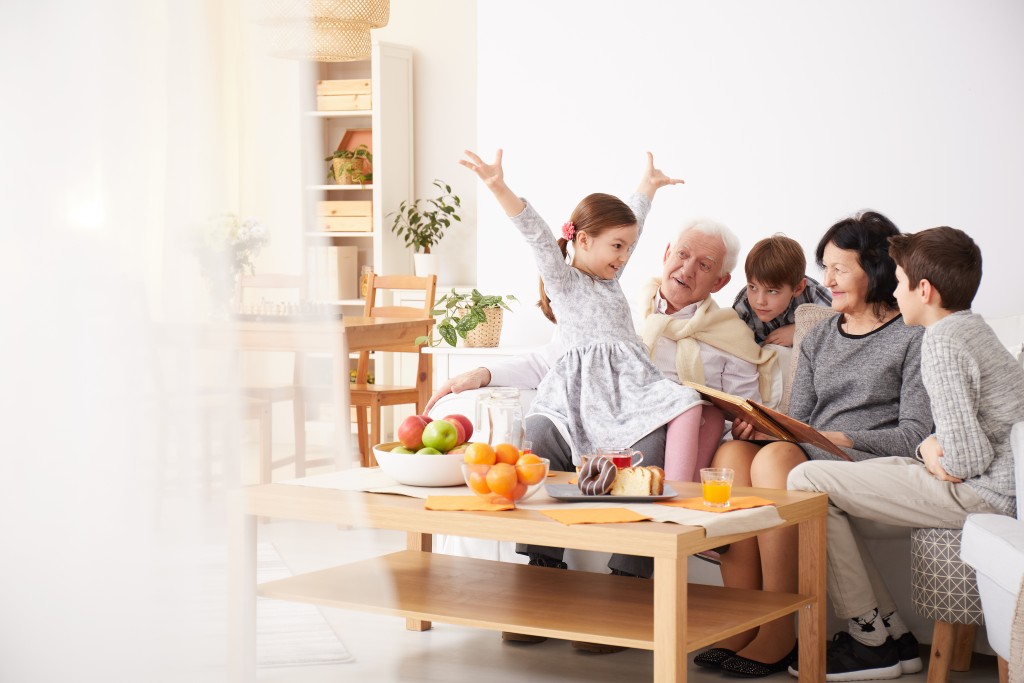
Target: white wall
781, 116
442, 34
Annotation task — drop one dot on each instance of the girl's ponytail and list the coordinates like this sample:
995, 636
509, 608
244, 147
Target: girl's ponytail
545, 303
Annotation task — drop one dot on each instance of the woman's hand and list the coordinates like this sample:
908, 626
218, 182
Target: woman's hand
493, 177
839, 439
654, 179
931, 453
744, 431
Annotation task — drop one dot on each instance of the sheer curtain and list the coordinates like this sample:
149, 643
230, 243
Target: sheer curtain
121, 132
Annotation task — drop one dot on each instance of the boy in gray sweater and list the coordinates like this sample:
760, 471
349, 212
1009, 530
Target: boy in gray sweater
977, 394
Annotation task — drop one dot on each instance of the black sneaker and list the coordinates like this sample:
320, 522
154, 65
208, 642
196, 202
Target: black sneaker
910, 653
538, 560
847, 659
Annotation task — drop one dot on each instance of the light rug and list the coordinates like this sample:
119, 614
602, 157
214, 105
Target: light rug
290, 633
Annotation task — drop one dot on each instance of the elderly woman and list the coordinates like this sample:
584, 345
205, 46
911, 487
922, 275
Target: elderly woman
858, 382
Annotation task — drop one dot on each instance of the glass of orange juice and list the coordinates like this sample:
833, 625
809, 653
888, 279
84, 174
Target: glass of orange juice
717, 486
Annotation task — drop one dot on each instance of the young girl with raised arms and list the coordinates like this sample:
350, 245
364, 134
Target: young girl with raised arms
604, 390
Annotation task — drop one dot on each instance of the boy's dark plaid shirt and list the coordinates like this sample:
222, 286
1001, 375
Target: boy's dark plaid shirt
814, 293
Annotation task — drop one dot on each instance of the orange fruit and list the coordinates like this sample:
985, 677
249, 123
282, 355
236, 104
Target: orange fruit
519, 491
479, 454
502, 479
478, 482
530, 468
506, 452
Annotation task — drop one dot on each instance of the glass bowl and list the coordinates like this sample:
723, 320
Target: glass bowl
501, 482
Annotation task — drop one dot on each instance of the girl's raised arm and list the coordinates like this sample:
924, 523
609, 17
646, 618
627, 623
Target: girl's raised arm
493, 177
653, 179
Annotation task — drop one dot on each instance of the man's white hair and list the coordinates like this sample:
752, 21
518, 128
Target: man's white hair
715, 229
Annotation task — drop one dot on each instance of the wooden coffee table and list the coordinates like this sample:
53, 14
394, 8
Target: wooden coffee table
666, 615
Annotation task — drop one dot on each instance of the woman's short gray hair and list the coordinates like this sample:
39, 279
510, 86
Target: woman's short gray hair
715, 229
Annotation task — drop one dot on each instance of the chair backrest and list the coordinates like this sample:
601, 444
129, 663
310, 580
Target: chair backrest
295, 284
383, 284
380, 284
807, 316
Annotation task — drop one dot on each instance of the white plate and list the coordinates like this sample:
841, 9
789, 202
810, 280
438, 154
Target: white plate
572, 494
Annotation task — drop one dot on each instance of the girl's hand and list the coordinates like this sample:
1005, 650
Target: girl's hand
494, 178
654, 179
491, 174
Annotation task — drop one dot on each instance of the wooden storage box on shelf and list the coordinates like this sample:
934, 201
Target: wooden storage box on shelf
343, 95
345, 216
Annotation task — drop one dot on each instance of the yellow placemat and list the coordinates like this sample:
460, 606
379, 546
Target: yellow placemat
594, 515
735, 503
474, 503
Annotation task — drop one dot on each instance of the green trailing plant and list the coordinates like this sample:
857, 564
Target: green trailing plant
355, 163
461, 313
421, 223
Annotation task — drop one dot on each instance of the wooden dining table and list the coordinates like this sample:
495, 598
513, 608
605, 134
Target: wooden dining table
337, 337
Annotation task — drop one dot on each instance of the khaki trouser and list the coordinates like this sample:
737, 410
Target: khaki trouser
895, 491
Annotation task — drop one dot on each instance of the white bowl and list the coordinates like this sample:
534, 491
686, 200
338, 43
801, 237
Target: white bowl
420, 470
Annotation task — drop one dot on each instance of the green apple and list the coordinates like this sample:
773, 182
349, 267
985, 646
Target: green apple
427, 450
403, 450
441, 435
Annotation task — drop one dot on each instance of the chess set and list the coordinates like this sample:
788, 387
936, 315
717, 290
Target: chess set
290, 311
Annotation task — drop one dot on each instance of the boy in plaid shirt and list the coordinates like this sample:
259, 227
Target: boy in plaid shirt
776, 285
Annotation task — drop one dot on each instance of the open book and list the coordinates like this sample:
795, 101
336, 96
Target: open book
771, 422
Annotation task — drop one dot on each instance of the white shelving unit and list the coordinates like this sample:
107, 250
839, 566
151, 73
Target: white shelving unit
391, 123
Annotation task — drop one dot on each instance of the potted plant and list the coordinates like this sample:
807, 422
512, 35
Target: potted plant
351, 166
421, 224
474, 317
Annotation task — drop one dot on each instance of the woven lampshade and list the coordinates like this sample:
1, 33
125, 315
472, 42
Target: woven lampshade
324, 30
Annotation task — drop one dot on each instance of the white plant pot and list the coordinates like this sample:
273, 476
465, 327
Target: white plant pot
425, 264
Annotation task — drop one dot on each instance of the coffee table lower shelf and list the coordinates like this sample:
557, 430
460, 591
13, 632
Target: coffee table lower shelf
568, 605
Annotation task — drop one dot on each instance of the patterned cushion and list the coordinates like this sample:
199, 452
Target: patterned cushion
942, 587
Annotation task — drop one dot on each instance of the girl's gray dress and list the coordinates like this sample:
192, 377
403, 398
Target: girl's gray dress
604, 390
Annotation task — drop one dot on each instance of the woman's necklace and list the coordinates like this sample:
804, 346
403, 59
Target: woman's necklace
851, 325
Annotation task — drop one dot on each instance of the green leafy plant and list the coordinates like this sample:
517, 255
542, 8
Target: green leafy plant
355, 164
461, 313
422, 223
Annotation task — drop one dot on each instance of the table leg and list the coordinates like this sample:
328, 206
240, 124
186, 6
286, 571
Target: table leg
670, 610
342, 424
242, 597
423, 543
812, 617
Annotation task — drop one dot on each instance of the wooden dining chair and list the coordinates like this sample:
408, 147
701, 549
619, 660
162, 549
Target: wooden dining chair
368, 399
260, 399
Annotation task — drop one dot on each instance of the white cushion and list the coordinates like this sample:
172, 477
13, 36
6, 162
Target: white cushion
994, 546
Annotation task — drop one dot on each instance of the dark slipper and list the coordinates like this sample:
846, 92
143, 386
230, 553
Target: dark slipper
749, 668
713, 658
521, 638
596, 648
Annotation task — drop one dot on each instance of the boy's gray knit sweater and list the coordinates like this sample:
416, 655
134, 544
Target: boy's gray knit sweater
866, 386
977, 394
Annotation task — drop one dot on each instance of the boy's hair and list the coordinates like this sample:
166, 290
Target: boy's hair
867, 233
946, 257
594, 215
776, 261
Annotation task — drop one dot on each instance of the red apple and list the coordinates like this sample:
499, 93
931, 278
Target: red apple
467, 424
410, 432
460, 430
441, 435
